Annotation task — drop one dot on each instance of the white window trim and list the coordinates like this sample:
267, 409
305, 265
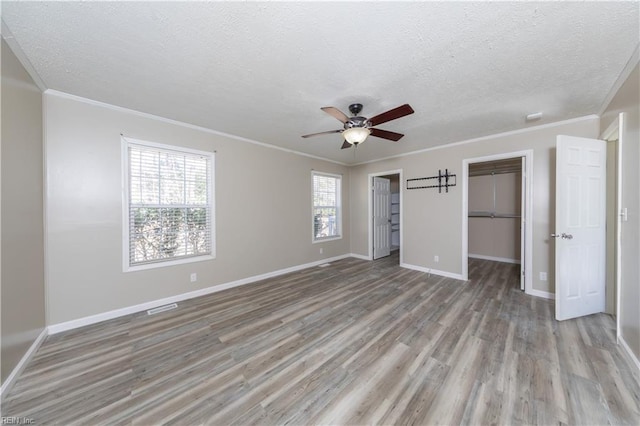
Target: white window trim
315, 240
126, 267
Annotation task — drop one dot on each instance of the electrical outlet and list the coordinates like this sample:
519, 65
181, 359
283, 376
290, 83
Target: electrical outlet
320, 250
543, 276
194, 277
436, 259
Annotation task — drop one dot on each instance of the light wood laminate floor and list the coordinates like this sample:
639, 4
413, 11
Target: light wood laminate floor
356, 342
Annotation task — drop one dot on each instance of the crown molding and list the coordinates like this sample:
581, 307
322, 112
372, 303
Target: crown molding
484, 138
57, 93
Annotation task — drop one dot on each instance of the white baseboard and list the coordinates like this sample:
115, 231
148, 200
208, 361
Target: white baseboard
432, 271
93, 319
629, 352
360, 256
540, 293
9, 381
494, 258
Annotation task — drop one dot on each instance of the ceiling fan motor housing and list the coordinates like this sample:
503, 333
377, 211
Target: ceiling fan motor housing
356, 122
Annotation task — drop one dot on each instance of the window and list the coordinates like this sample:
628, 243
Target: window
168, 205
327, 213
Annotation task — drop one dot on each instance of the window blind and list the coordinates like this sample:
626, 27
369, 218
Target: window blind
169, 204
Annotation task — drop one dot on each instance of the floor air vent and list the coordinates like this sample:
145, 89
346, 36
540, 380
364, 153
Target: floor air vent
162, 309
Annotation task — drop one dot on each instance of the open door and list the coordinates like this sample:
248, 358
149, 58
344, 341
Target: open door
580, 234
381, 217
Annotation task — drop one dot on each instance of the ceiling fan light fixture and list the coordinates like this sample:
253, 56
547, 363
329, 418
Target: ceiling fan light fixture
356, 135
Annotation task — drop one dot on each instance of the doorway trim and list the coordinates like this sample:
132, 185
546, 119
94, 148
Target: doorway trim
370, 177
528, 225
616, 127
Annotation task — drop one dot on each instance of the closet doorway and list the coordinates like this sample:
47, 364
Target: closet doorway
495, 211
495, 205
385, 218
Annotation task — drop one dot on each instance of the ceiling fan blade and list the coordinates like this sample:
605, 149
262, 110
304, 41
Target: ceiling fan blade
322, 133
346, 145
335, 112
392, 114
385, 134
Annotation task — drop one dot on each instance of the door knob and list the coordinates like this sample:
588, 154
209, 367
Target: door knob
564, 236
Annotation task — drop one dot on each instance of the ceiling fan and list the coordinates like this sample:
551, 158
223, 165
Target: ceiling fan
357, 128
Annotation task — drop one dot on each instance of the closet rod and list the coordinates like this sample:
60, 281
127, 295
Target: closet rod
494, 172
493, 215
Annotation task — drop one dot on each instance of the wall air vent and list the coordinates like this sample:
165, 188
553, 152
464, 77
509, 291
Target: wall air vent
162, 309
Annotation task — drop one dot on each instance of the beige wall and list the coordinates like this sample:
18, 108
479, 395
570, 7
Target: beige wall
23, 293
263, 210
432, 221
497, 237
627, 100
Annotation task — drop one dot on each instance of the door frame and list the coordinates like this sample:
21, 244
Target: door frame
370, 177
616, 127
528, 228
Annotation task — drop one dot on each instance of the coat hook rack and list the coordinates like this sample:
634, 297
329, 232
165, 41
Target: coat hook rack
445, 180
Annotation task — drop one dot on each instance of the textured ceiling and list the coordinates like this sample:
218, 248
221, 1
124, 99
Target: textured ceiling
263, 70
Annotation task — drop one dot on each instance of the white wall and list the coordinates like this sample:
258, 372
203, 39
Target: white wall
263, 210
432, 221
23, 292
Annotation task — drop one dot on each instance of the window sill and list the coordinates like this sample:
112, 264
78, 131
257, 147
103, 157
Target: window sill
156, 265
322, 240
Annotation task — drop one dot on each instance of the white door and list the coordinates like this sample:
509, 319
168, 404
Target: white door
523, 219
381, 217
580, 234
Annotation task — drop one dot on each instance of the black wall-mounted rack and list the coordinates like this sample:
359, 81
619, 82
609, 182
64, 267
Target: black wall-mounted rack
445, 180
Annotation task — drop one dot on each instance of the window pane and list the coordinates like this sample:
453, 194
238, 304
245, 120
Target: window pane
145, 234
148, 164
325, 222
196, 169
172, 191
196, 192
148, 191
169, 211
196, 230
326, 199
172, 166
